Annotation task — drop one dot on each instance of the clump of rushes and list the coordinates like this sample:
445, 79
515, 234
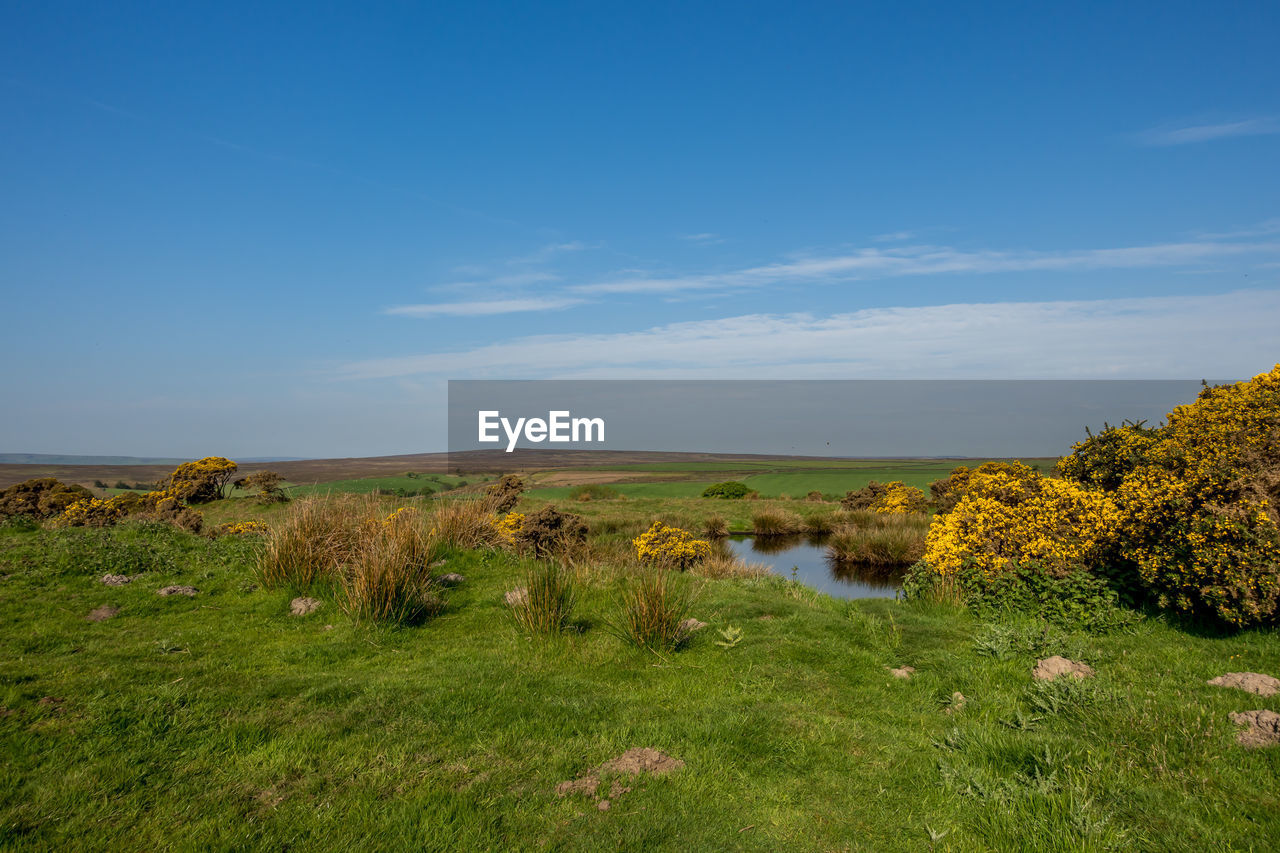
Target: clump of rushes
889, 540
776, 522
316, 537
387, 578
716, 527
548, 601
653, 610
818, 525
467, 524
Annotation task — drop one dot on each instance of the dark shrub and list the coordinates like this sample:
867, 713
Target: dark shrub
549, 531
863, 498
43, 497
504, 494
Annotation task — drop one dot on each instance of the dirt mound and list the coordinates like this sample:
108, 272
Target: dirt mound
1050, 668
103, 613
1263, 728
633, 762
902, 671
116, 580
517, 597
1252, 682
451, 579
189, 591
688, 626
304, 606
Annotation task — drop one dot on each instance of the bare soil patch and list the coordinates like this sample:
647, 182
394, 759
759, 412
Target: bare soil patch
103, 613
1251, 682
189, 591
640, 761
1263, 728
1052, 667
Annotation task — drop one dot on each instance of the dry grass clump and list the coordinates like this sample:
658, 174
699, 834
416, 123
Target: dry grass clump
880, 539
314, 540
715, 527
548, 600
466, 524
722, 565
388, 578
652, 611
819, 525
776, 522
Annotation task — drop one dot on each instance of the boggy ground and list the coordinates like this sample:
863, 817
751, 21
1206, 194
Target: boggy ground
221, 720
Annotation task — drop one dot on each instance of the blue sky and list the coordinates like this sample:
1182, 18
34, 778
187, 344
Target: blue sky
277, 229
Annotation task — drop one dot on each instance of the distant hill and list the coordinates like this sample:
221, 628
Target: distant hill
71, 459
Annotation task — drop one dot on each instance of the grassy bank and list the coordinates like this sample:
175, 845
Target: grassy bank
222, 721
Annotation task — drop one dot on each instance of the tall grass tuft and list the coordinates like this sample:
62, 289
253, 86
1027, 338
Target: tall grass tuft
466, 524
653, 610
880, 539
722, 564
550, 594
317, 536
715, 527
776, 522
818, 525
387, 578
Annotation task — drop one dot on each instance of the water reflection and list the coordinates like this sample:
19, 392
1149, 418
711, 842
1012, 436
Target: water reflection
806, 559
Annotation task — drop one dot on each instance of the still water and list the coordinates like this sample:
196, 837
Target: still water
805, 559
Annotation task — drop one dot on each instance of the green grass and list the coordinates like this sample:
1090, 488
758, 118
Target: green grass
367, 485
223, 722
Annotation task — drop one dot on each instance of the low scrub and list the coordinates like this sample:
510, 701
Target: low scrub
721, 565
549, 532
731, 489
716, 527
666, 547
467, 524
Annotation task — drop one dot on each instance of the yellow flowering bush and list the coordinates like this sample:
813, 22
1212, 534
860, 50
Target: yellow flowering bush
203, 480
1006, 519
508, 526
92, 512
900, 499
244, 528
402, 515
670, 547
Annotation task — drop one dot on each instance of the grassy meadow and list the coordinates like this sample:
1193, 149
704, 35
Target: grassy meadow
223, 721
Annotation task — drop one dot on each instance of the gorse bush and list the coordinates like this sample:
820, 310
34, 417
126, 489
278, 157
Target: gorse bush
549, 532
1005, 519
1185, 513
667, 547
863, 498
43, 497
203, 480
900, 499
503, 495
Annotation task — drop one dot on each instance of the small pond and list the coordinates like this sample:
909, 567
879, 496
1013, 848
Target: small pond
805, 559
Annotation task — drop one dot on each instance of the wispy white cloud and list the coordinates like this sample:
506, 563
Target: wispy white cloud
1188, 134
1265, 228
485, 308
1221, 335
893, 237
548, 252
706, 238
872, 263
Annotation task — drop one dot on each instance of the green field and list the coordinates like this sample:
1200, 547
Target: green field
223, 722
368, 485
